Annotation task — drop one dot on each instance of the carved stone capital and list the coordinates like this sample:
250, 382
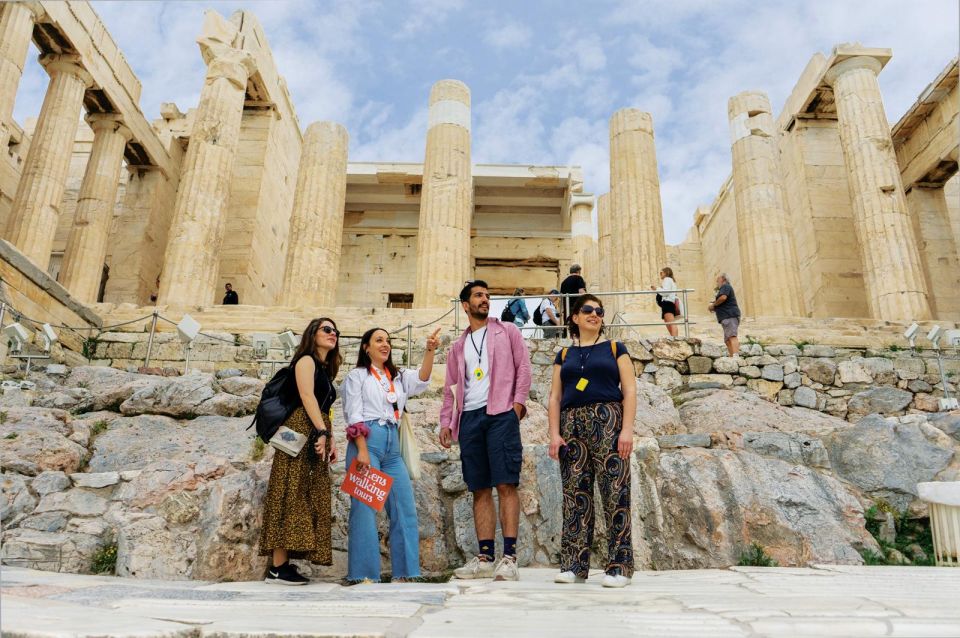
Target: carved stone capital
235, 65
109, 122
852, 64
66, 63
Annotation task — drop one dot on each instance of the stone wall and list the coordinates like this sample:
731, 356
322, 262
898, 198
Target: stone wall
719, 242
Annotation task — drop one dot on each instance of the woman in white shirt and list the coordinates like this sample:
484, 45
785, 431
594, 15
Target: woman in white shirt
667, 300
374, 396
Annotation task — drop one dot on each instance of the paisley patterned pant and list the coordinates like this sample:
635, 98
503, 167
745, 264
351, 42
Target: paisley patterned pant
591, 434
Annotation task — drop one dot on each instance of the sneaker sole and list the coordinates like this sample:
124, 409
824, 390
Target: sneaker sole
277, 581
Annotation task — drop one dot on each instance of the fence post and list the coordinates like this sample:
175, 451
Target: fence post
153, 330
686, 316
456, 319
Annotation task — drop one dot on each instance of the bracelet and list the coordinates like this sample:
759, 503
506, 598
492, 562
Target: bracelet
324, 432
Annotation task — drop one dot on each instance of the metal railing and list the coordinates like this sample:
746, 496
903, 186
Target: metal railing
618, 319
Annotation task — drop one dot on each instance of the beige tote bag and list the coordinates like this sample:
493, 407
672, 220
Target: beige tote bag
409, 450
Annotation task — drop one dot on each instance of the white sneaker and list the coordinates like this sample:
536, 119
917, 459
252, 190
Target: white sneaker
506, 569
475, 568
615, 580
568, 578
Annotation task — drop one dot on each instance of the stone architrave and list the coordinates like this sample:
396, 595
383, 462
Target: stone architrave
768, 259
637, 239
16, 30
86, 249
190, 265
446, 199
581, 225
36, 206
316, 226
892, 268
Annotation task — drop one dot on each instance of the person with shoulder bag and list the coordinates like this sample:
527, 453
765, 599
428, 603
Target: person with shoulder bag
296, 517
375, 394
593, 401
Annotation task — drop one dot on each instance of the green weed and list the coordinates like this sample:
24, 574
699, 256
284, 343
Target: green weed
756, 556
105, 560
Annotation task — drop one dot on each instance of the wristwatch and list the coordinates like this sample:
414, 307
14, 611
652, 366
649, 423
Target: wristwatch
325, 433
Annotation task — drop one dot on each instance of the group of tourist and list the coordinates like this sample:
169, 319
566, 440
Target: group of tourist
591, 412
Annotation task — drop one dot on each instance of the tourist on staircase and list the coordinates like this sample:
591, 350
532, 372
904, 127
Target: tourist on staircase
593, 401
728, 313
667, 300
296, 517
484, 397
375, 394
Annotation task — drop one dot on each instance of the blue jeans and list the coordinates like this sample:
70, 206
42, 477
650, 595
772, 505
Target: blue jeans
363, 542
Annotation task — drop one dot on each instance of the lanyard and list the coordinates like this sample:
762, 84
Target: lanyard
391, 393
480, 350
583, 361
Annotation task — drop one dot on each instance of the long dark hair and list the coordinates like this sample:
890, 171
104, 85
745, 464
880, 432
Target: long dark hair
308, 346
363, 357
577, 305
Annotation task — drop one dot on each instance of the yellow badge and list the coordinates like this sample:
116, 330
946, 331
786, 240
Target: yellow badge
582, 384
331, 414
478, 373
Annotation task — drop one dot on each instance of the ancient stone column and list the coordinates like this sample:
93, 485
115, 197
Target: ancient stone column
637, 239
892, 268
605, 261
939, 253
36, 206
316, 226
446, 199
87, 243
768, 259
191, 262
581, 225
16, 29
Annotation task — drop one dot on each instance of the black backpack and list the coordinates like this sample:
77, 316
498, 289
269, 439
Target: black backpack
276, 405
538, 315
507, 316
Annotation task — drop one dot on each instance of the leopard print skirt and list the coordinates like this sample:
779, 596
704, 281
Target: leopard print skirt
296, 513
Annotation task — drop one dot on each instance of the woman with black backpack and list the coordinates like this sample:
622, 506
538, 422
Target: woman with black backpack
296, 517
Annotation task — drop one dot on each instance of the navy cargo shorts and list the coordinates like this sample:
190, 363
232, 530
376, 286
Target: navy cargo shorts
490, 449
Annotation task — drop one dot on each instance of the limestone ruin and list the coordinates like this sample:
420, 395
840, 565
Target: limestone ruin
828, 211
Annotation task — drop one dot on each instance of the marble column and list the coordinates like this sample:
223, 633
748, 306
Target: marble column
939, 252
605, 260
87, 243
316, 226
768, 259
16, 30
191, 263
36, 206
637, 240
581, 226
446, 199
892, 269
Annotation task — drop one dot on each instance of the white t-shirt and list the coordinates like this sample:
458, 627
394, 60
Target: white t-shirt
668, 284
365, 398
544, 305
475, 390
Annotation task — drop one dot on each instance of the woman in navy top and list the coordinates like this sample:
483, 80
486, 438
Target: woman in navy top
593, 401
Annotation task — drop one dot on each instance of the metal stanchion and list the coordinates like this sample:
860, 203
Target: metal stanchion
153, 330
686, 316
410, 345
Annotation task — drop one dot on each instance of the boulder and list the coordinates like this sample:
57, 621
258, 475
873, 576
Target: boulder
805, 397
767, 389
948, 422
226, 373
853, 371
672, 349
131, 443
656, 413
730, 411
50, 482
108, 387
715, 503
16, 500
700, 364
69, 552
726, 365
171, 396
226, 404
772, 372
792, 380
886, 459
668, 378
242, 386
793, 448
879, 400
95, 480
38, 442
76, 502
147, 549
750, 372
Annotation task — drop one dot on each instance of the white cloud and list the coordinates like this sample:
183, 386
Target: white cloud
510, 35
423, 15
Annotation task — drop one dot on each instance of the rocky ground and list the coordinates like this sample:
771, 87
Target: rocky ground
159, 474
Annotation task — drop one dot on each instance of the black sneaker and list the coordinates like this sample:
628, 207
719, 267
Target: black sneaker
285, 574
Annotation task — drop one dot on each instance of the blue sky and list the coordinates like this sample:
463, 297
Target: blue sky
545, 76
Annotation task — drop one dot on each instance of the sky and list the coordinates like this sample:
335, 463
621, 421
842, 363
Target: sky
545, 75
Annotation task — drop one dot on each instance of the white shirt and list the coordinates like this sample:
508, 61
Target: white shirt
544, 305
475, 390
668, 284
365, 398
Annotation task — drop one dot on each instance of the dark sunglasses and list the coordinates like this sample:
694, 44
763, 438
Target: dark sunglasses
588, 309
332, 331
